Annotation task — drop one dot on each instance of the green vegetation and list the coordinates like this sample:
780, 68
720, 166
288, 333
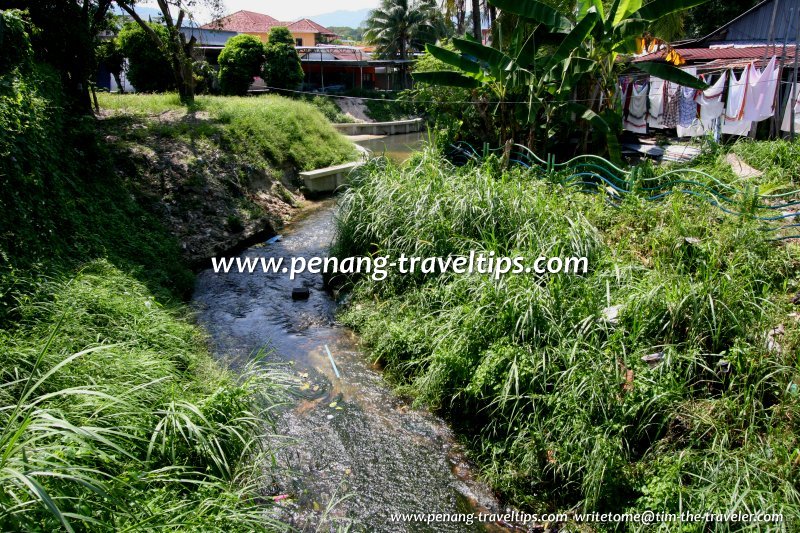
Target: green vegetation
532, 89
545, 383
282, 68
115, 417
400, 27
114, 414
148, 67
239, 62
275, 129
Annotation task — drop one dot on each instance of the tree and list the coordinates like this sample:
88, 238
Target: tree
567, 65
399, 27
239, 62
148, 67
110, 54
282, 68
280, 35
177, 48
65, 39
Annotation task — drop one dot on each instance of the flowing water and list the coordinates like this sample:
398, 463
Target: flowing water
353, 437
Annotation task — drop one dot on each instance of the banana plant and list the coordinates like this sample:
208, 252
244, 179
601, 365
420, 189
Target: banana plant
565, 68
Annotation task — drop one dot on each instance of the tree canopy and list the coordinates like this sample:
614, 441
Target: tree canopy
239, 62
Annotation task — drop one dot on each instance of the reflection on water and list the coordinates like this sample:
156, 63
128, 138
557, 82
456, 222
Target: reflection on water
354, 436
395, 147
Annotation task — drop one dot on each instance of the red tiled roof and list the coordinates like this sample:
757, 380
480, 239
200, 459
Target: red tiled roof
716, 54
309, 26
249, 21
243, 22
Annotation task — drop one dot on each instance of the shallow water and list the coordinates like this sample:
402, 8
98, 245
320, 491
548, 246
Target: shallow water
395, 147
369, 446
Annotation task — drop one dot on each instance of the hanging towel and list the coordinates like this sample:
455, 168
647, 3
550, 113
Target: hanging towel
687, 107
636, 121
688, 125
710, 100
759, 102
670, 119
786, 125
732, 123
655, 112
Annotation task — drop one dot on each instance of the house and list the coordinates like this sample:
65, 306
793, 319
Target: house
305, 32
771, 22
770, 29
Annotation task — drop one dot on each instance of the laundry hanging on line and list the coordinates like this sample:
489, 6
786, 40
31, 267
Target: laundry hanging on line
735, 102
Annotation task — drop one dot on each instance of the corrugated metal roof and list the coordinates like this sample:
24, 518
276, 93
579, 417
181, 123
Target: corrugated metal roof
746, 53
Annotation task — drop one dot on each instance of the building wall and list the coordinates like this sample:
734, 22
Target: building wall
262, 36
309, 39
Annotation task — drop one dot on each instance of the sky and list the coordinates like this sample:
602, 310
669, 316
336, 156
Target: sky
285, 9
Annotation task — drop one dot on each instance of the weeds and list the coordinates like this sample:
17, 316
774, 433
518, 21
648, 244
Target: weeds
560, 408
282, 131
141, 432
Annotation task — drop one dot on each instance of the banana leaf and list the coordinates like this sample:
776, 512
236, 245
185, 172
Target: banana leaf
671, 73
660, 8
453, 59
446, 78
536, 11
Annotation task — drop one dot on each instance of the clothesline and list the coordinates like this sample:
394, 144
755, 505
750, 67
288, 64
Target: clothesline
731, 104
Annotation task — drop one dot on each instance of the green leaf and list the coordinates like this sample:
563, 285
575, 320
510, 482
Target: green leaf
573, 40
671, 73
496, 60
602, 125
625, 8
453, 59
446, 78
660, 8
536, 11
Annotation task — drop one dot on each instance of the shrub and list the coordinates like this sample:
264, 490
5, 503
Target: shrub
282, 68
560, 407
239, 62
148, 67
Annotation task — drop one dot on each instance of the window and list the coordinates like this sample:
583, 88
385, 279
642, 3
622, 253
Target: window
298, 41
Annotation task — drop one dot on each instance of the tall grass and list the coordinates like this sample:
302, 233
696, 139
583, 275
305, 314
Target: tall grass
560, 409
282, 131
114, 417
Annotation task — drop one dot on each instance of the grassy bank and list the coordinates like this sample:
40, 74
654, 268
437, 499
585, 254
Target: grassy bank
114, 415
546, 384
279, 131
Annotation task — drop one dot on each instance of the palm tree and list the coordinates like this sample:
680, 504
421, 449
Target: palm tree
399, 27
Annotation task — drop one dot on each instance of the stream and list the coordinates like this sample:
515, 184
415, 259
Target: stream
354, 439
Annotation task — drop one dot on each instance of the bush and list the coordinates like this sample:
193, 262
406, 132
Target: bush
446, 108
239, 62
148, 67
561, 409
282, 68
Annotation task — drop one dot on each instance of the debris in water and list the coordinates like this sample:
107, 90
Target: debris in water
333, 363
332, 404
273, 240
329, 417
300, 293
